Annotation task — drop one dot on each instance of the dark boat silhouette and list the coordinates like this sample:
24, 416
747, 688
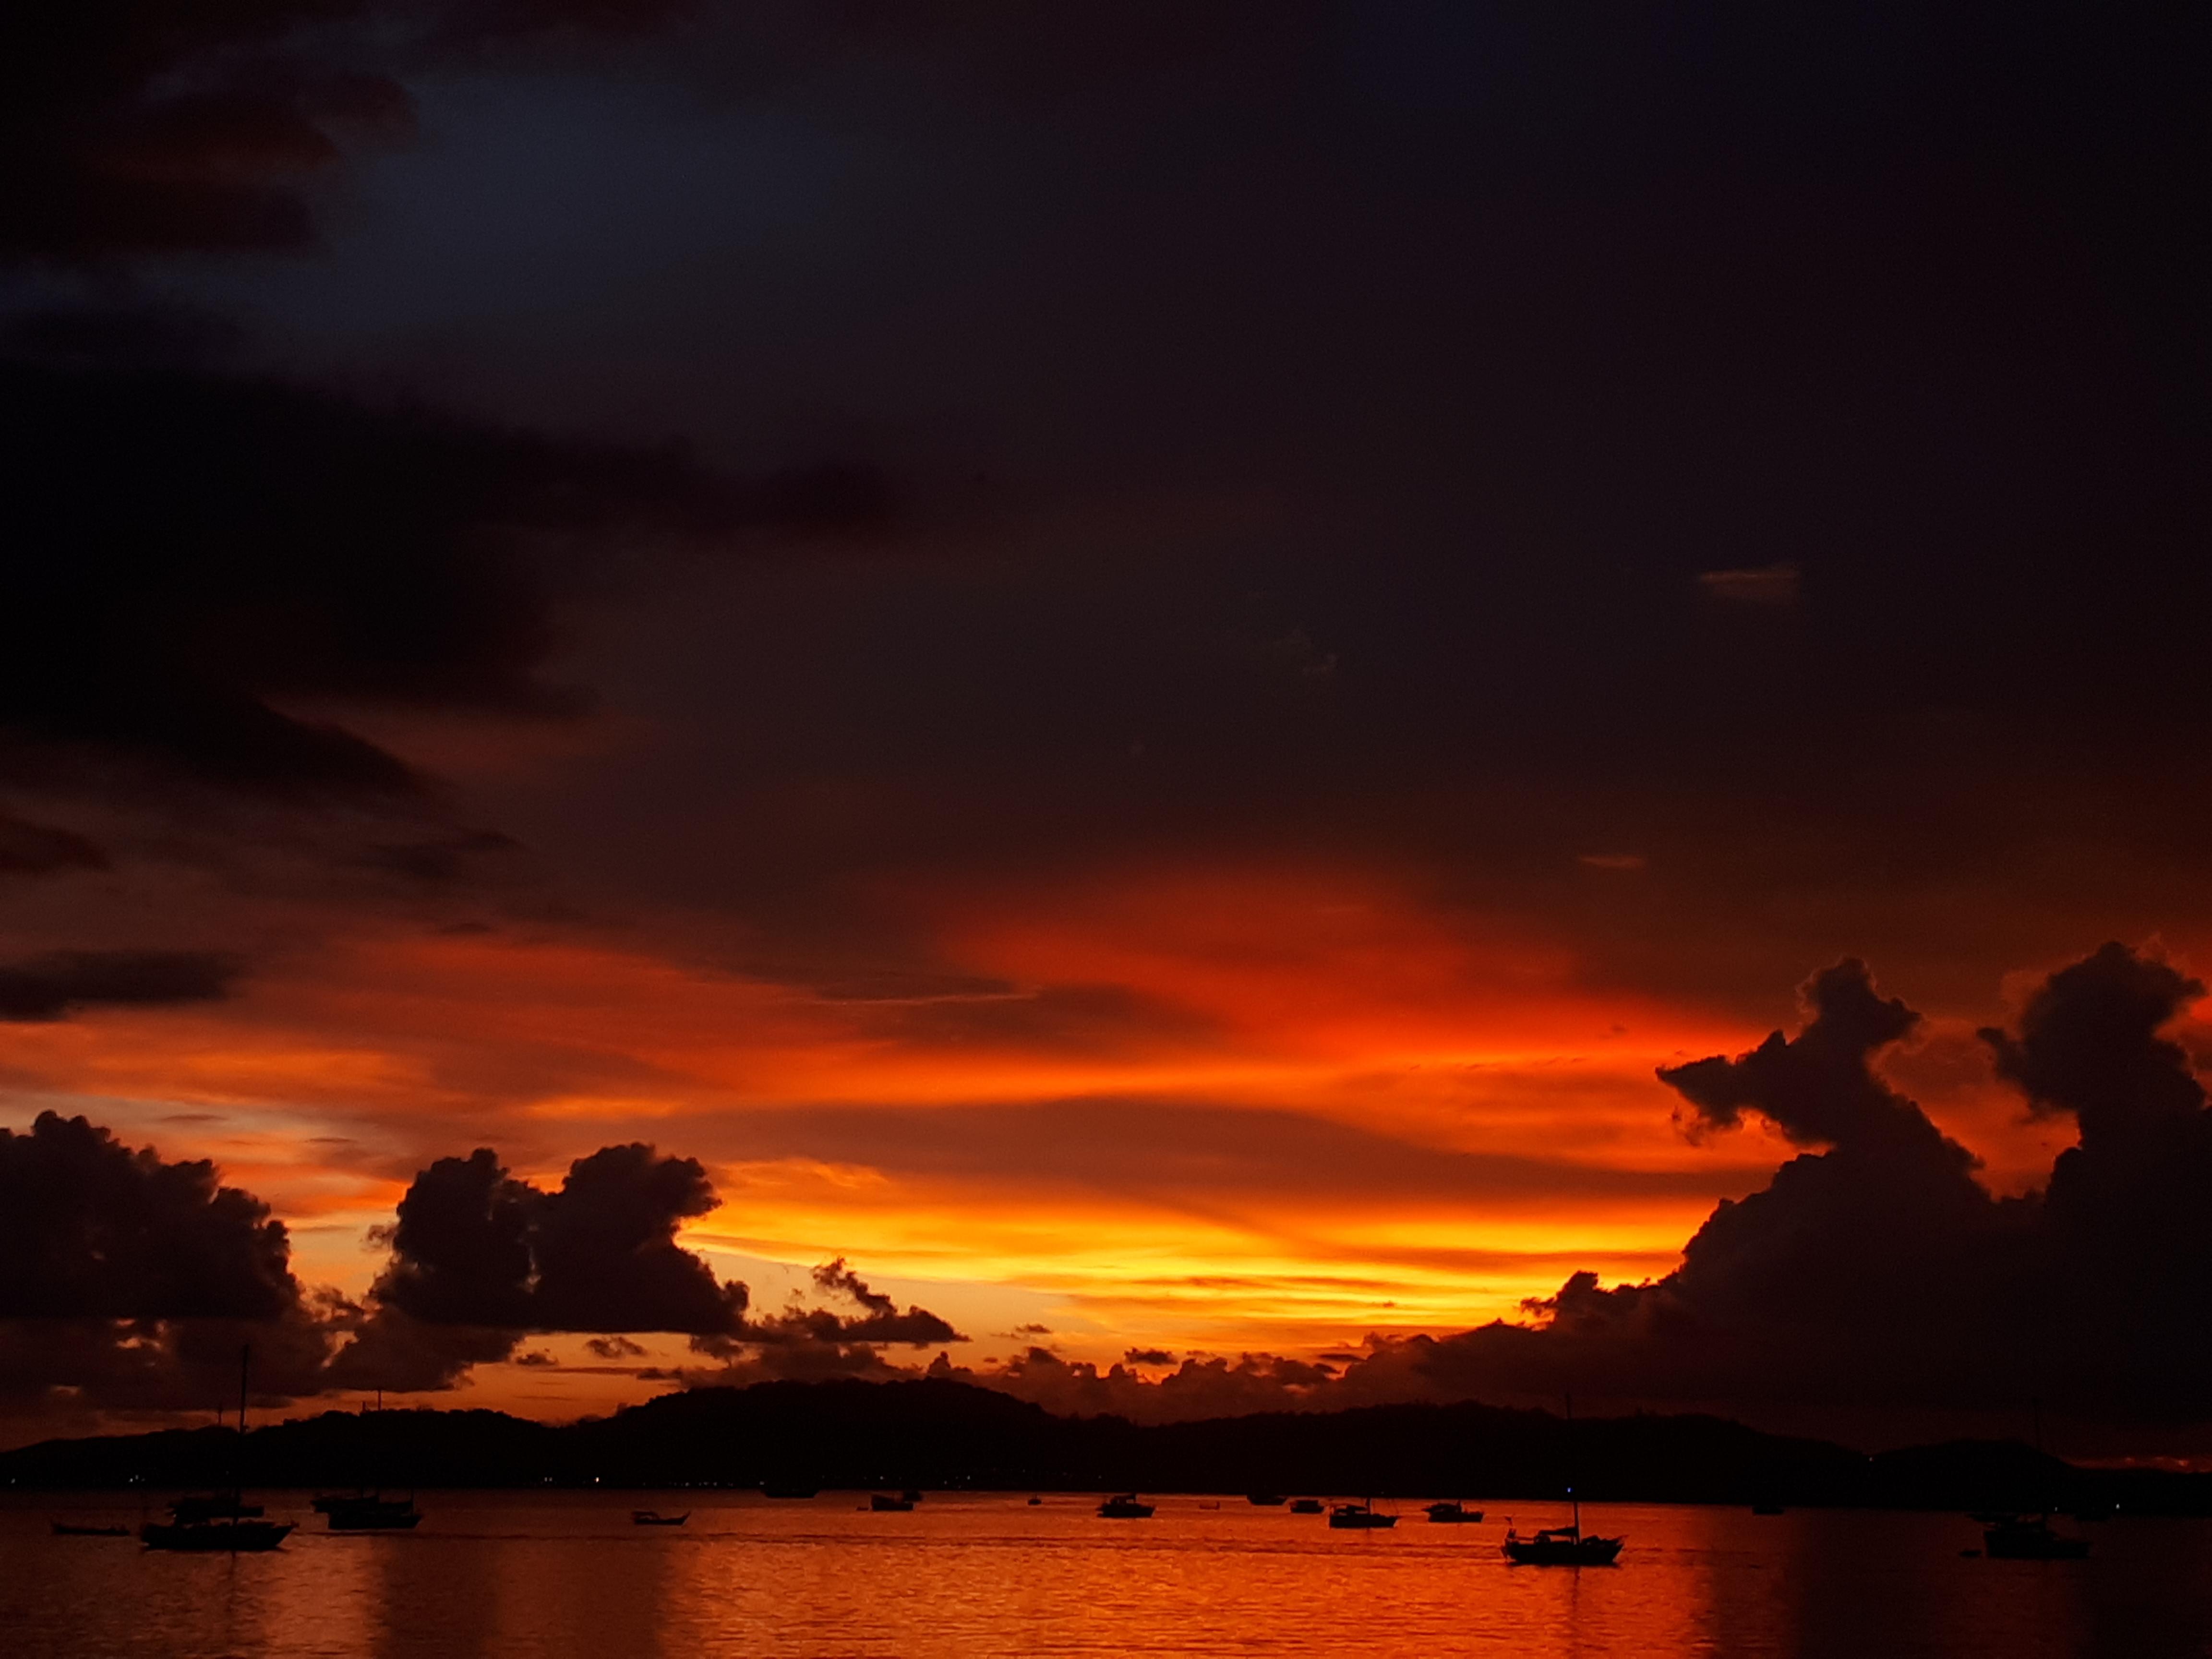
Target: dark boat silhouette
1453, 1514
1359, 1517
214, 1537
225, 1525
2028, 1537
1567, 1546
1126, 1507
373, 1513
655, 1519
1561, 1547
1305, 1506
212, 1506
1265, 1500
2025, 1535
72, 1529
884, 1503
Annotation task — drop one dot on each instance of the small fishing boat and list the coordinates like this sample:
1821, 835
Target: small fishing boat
214, 1537
1305, 1506
2028, 1538
73, 1529
884, 1503
655, 1519
1453, 1514
373, 1512
1126, 1507
1359, 1517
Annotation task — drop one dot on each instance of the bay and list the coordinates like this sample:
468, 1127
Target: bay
556, 1574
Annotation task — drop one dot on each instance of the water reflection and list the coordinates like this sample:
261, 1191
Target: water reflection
490, 1575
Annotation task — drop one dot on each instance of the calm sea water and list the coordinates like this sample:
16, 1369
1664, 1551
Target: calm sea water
493, 1575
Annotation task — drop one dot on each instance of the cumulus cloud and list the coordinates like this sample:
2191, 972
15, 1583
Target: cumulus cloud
474, 1246
90, 1228
1873, 1275
130, 1282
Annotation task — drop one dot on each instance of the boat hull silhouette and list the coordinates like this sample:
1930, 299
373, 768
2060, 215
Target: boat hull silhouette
2029, 1538
1453, 1514
1126, 1507
1358, 1517
373, 1514
1561, 1547
214, 1537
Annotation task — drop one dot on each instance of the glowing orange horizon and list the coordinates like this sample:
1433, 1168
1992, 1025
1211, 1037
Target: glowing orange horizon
1315, 997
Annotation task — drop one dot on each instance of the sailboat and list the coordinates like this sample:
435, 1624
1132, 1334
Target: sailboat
1359, 1517
367, 1510
1562, 1547
2012, 1535
225, 1524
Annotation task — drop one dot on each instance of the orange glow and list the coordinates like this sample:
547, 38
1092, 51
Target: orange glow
1443, 1119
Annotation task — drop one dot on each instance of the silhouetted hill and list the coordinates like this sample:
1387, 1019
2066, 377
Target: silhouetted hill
948, 1435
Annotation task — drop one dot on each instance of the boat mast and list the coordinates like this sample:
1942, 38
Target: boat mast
1573, 1499
238, 1462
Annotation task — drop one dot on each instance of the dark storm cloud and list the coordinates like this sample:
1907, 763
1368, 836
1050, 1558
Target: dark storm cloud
1872, 1277
1877, 1271
2123, 1245
1816, 1087
90, 1228
191, 547
130, 1283
879, 1320
195, 548
474, 1246
63, 982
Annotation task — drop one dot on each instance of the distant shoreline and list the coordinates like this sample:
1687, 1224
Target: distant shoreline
944, 1435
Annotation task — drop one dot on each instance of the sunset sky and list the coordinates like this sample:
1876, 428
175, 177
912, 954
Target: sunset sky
1135, 665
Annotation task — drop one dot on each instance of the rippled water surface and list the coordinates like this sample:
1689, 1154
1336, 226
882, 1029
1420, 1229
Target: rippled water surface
561, 1574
